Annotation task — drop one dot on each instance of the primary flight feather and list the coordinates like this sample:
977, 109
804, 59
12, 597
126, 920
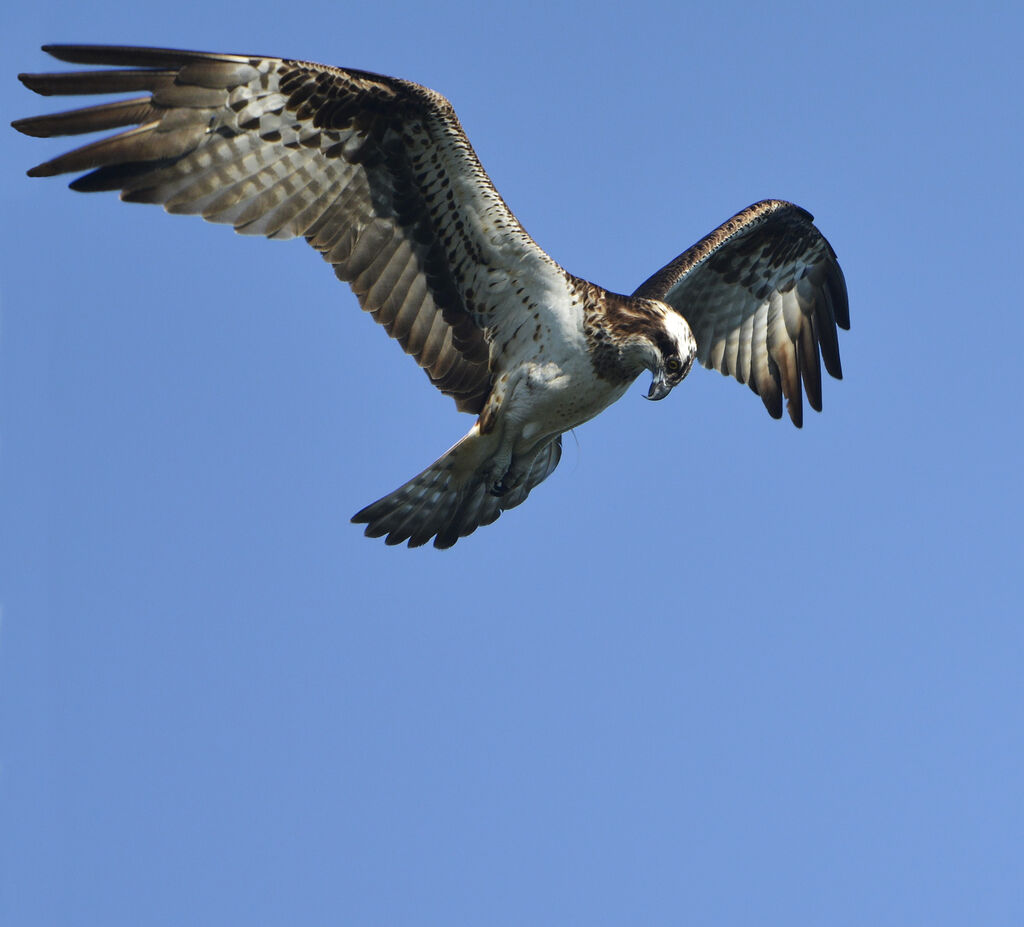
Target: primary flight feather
378, 176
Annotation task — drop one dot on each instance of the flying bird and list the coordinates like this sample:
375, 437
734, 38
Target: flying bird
377, 175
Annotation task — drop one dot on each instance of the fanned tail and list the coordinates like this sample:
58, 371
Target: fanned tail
452, 498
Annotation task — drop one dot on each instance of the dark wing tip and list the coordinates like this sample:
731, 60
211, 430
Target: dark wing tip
38, 83
836, 284
24, 126
772, 399
124, 55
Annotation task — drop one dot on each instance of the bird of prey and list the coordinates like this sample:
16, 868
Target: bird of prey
378, 176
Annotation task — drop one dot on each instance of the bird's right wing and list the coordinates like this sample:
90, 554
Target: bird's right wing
763, 293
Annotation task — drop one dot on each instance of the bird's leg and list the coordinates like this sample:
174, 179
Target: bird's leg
505, 472
515, 473
506, 469
496, 474
502, 486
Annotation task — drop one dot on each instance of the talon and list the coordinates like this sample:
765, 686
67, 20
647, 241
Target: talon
498, 489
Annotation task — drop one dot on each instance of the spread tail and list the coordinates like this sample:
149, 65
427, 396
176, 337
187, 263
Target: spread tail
452, 498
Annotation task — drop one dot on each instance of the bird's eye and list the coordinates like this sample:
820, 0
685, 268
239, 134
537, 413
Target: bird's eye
673, 364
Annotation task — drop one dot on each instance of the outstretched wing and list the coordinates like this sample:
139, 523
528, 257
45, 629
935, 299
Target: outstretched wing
763, 294
376, 173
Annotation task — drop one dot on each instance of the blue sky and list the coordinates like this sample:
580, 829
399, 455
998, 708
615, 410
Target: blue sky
715, 671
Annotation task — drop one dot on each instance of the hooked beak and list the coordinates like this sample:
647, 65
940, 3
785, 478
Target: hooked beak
659, 388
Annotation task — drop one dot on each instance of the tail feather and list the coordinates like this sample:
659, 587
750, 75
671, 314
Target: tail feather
451, 498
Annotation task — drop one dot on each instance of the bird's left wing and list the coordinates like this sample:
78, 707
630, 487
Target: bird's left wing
763, 294
375, 172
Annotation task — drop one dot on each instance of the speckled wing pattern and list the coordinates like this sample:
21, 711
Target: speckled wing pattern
376, 173
763, 295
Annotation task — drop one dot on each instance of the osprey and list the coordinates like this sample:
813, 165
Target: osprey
378, 176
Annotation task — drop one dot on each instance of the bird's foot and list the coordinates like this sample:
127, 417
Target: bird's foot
498, 488
508, 480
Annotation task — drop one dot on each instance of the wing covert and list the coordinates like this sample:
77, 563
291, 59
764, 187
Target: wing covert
763, 294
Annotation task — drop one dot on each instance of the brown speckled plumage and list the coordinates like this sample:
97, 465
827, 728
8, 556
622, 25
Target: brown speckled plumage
378, 176
763, 294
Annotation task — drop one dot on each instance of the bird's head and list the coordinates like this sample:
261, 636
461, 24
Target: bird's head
672, 354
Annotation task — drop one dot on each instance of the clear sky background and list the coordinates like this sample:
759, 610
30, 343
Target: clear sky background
715, 671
